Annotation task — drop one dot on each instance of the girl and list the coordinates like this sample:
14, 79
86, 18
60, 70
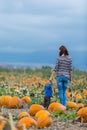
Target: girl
63, 70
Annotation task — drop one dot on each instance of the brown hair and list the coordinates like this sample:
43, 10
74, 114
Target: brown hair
63, 50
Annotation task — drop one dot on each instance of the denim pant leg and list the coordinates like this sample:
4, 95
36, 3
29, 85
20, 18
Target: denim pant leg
65, 84
62, 83
60, 89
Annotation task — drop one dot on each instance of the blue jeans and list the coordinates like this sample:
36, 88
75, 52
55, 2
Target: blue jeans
62, 83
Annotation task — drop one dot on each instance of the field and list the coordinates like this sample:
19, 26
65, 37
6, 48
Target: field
21, 88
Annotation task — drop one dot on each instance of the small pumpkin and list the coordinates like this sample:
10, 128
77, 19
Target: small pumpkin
78, 96
34, 108
26, 99
85, 92
27, 121
71, 104
80, 105
68, 93
16, 87
23, 114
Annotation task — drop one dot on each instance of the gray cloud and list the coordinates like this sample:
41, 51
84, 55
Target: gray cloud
39, 24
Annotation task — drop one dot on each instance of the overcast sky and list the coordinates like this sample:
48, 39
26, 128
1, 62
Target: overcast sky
38, 25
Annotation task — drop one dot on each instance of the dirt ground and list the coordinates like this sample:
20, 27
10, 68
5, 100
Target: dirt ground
63, 125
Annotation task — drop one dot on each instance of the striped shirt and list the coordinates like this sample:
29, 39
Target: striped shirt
63, 66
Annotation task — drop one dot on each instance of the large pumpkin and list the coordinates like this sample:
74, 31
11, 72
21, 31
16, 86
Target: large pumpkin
27, 121
5, 100
44, 121
56, 106
15, 102
83, 114
41, 112
34, 108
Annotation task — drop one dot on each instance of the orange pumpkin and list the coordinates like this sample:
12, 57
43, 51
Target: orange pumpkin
1, 104
26, 99
34, 108
23, 114
41, 112
68, 93
44, 121
15, 102
5, 100
56, 106
80, 105
85, 92
71, 104
78, 96
27, 121
16, 87
83, 114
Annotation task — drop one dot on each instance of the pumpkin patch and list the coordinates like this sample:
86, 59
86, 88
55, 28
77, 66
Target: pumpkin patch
22, 94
